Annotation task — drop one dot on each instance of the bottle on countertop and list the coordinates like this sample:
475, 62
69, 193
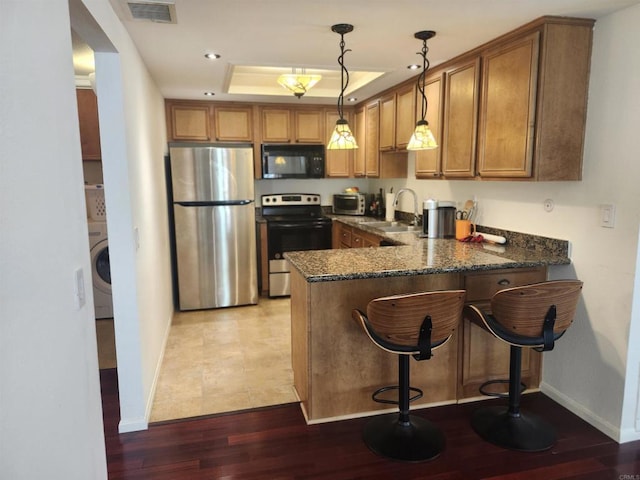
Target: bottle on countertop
379, 206
430, 218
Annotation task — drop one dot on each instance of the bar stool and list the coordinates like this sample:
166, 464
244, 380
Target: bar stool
413, 324
531, 316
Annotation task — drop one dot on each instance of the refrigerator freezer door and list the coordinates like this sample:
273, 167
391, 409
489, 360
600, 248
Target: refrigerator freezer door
212, 173
216, 256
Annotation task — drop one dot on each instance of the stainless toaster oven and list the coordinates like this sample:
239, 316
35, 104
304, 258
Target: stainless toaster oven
350, 203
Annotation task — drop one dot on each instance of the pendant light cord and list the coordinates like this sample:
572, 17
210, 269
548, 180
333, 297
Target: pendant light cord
344, 72
421, 80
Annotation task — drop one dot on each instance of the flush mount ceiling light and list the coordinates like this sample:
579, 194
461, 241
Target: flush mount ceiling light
298, 82
342, 138
422, 138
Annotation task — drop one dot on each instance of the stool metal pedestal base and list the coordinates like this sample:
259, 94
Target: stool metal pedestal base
416, 441
524, 432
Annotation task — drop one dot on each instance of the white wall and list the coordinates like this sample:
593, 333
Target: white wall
597, 359
50, 411
133, 139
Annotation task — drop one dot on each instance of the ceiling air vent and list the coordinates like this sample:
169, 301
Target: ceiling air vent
152, 10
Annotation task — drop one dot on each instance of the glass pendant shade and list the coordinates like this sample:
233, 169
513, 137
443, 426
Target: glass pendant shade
342, 138
298, 83
422, 138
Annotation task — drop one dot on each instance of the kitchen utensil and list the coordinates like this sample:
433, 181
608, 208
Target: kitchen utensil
468, 206
492, 238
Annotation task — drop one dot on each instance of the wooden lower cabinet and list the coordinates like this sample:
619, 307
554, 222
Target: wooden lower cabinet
345, 236
336, 367
484, 357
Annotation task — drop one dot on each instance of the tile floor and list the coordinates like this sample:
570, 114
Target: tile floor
226, 360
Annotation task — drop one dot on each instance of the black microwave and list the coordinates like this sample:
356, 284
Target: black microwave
292, 161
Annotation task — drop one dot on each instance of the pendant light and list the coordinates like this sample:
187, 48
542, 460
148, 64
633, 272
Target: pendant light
298, 82
342, 138
422, 138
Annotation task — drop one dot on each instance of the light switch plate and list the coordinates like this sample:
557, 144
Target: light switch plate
607, 216
80, 296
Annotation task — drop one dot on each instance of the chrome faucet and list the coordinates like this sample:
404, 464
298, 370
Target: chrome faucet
416, 215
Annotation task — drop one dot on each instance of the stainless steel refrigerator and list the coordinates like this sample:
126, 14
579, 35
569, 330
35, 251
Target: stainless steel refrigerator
213, 221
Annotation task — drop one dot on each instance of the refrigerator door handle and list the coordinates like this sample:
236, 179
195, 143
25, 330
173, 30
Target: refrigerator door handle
214, 203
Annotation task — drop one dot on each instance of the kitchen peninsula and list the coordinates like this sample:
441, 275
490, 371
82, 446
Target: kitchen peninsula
337, 368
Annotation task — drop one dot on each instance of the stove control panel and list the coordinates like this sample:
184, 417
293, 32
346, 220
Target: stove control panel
290, 199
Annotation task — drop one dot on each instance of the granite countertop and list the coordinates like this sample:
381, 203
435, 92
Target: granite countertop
412, 255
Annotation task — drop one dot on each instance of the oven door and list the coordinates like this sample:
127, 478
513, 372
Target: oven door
291, 236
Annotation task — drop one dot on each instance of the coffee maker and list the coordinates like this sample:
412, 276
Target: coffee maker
439, 218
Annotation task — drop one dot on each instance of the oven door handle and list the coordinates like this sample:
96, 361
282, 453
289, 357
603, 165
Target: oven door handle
281, 226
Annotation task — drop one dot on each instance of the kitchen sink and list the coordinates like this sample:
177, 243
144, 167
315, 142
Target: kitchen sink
391, 227
378, 223
400, 228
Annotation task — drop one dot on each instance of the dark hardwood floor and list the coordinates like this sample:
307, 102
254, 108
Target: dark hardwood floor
275, 443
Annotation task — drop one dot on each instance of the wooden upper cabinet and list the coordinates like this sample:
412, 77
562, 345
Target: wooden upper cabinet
338, 163
534, 102
462, 92
199, 121
387, 131
89, 124
405, 115
372, 145
397, 118
309, 126
507, 118
189, 122
276, 125
292, 125
428, 162
360, 128
233, 124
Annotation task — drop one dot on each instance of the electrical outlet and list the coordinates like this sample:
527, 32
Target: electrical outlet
80, 296
607, 216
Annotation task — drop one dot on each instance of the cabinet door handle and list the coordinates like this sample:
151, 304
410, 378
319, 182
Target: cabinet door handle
504, 282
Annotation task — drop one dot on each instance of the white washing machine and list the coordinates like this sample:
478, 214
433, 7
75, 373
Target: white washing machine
100, 269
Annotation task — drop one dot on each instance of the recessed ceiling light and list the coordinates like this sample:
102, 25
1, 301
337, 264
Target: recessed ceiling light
351, 99
209, 94
212, 56
413, 67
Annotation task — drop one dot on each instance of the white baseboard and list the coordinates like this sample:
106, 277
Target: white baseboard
133, 425
629, 435
156, 375
579, 409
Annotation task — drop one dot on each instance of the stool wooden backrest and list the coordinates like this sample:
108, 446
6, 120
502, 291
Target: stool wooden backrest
522, 310
398, 318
